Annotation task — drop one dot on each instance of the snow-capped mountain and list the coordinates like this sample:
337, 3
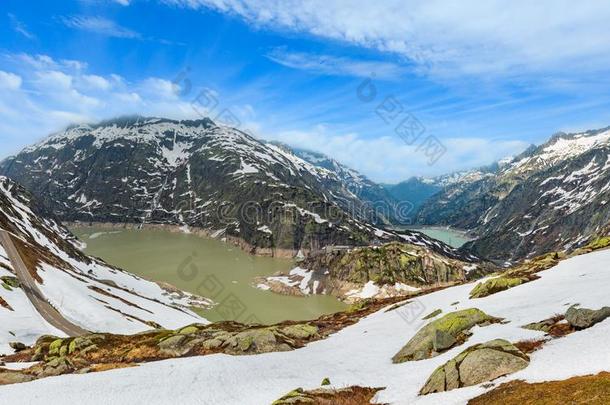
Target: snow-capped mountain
551, 197
374, 196
194, 173
48, 266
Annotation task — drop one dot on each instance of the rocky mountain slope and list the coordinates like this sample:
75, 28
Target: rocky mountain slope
393, 269
373, 195
551, 197
416, 190
84, 290
198, 174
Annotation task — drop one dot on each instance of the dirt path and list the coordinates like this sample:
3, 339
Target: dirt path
46, 310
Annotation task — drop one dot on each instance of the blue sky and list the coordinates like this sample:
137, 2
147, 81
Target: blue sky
482, 79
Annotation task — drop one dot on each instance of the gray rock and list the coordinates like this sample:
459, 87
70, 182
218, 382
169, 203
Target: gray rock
442, 341
487, 365
174, 345
582, 318
17, 346
442, 334
475, 365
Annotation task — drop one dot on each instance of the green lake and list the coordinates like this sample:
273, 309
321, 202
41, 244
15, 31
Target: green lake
207, 267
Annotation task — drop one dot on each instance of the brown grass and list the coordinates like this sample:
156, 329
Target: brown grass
591, 389
529, 346
5, 304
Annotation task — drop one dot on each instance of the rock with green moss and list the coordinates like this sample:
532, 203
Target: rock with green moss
300, 331
55, 347
432, 314
495, 285
442, 334
189, 330
475, 365
10, 282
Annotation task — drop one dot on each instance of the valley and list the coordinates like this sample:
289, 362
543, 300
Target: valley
207, 267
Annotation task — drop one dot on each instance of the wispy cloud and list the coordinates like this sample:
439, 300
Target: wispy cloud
100, 25
20, 27
333, 65
448, 38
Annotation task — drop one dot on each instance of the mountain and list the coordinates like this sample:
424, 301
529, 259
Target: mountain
195, 174
374, 196
551, 197
416, 190
50, 286
461, 199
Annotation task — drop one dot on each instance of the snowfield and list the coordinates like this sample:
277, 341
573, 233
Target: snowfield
361, 354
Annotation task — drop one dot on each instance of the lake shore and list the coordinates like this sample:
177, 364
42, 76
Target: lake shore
200, 232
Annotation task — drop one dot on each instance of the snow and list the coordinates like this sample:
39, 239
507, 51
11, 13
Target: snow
372, 290
361, 354
72, 285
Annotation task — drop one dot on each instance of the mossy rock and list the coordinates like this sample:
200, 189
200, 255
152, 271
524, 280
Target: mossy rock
10, 282
55, 347
432, 314
442, 334
495, 285
301, 331
475, 365
189, 330
297, 396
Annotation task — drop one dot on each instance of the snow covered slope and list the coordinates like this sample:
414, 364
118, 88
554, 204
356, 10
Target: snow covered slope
362, 354
86, 291
151, 170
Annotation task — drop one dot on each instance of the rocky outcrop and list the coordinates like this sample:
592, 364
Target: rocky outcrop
349, 395
392, 269
475, 365
442, 334
497, 284
583, 318
105, 351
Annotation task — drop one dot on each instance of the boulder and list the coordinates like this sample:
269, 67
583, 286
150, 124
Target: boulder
442, 334
475, 365
495, 285
174, 345
17, 346
582, 318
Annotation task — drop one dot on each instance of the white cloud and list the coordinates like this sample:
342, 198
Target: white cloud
47, 94
161, 88
9, 80
54, 80
97, 82
447, 37
20, 27
389, 159
100, 25
332, 65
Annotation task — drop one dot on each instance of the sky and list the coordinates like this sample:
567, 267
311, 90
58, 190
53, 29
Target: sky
393, 88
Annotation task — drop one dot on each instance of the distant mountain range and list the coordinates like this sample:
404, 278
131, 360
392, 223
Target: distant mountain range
551, 197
